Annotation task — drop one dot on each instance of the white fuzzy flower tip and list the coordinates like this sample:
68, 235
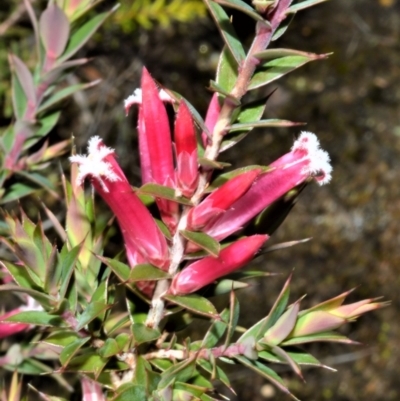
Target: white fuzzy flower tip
93, 164
319, 161
136, 98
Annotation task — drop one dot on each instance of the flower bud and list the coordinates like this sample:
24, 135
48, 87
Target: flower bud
140, 231
207, 270
305, 160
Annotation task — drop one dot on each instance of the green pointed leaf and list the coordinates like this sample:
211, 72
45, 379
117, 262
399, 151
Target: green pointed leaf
163, 192
227, 71
204, 241
263, 123
194, 303
249, 113
275, 69
109, 349
281, 329
56, 72
132, 392
83, 34
226, 285
121, 270
234, 311
124, 321
216, 88
305, 4
244, 8
320, 337
72, 349
215, 371
52, 20
20, 275
7, 141
67, 264
123, 339
25, 78
93, 310
45, 300
181, 371
36, 318
227, 31
17, 191
41, 181
216, 331
88, 363
258, 330
28, 366
212, 164
284, 25
141, 366
63, 94
47, 123
301, 358
46, 397
268, 373
147, 272
161, 364
328, 305
143, 334
286, 358
18, 96
271, 54
195, 391
62, 338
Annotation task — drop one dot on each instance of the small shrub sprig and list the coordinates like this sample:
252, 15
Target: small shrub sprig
116, 324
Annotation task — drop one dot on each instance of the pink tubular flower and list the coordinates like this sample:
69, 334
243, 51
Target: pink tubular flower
209, 269
140, 231
211, 117
221, 199
155, 144
306, 159
187, 169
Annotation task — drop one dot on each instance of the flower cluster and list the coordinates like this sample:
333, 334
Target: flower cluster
175, 164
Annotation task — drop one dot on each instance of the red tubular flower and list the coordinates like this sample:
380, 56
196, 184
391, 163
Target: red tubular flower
211, 117
187, 171
209, 269
156, 146
157, 133
305, 160
140, 231
221, 200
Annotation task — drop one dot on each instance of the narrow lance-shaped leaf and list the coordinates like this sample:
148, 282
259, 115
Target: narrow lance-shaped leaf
54, 32
26, 80
227, 71
275, 69
84, 33
303, 5
227, 31
244, 8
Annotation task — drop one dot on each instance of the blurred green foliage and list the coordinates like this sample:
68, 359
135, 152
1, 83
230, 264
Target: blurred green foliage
147, 13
